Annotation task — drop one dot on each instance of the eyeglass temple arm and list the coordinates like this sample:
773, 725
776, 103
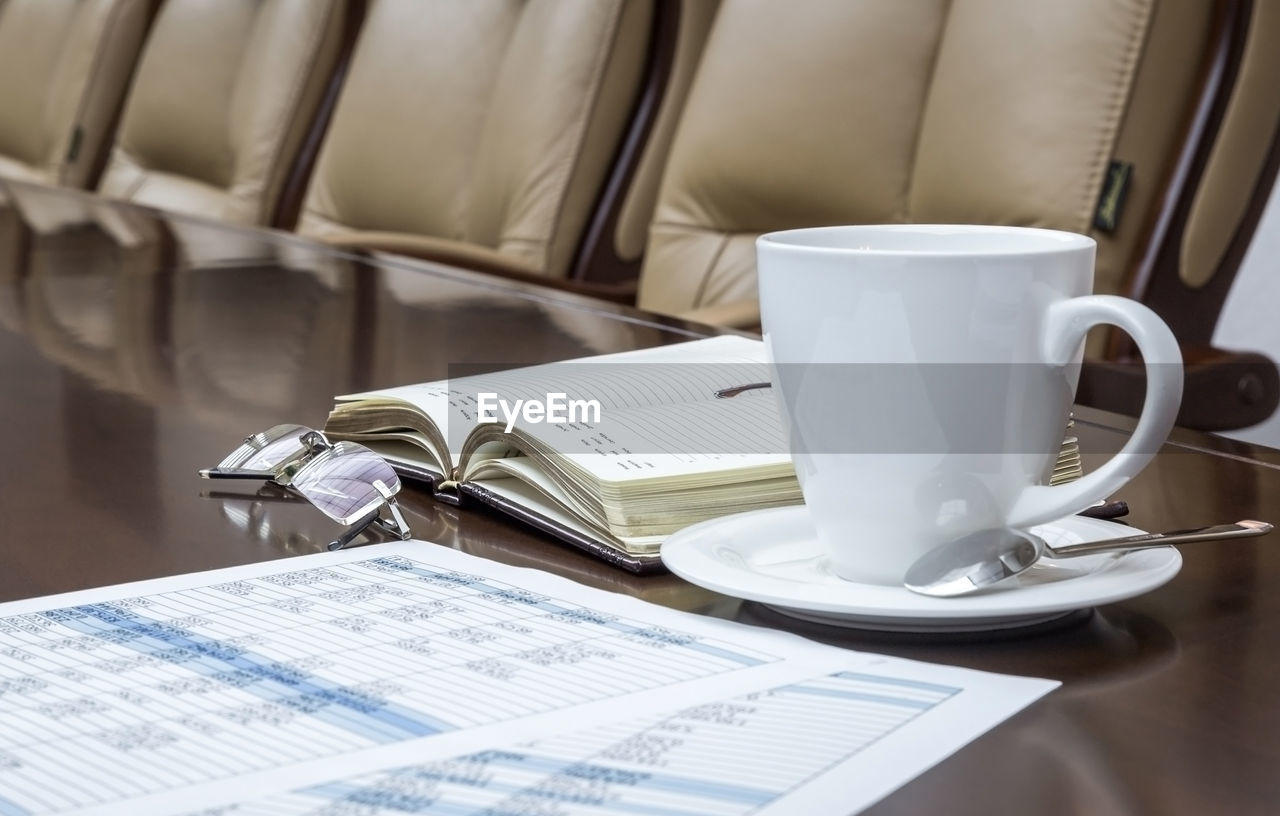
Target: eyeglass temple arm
234, 473
396, 528
354, 530
396, 525
312, 442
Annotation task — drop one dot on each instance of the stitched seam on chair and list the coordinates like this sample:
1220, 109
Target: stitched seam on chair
518, 240
909, 180
1110, 127
702, 229
82, 107
321, 223
156, 175
140, 181
571, 164
141, 173
701, 291
283, 118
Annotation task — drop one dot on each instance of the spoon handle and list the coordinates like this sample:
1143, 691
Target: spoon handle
1240, 529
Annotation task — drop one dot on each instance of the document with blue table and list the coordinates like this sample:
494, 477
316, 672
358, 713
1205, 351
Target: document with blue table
408, 677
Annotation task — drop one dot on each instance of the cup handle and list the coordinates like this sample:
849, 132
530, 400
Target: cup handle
1066, 324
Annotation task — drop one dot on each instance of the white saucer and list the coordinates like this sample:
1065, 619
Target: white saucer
772, 556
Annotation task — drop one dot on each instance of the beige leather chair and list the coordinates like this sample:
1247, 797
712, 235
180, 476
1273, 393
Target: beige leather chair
980, 111
479, 132
615, 240
1202, 228
1144, 123
64, 67
224, 97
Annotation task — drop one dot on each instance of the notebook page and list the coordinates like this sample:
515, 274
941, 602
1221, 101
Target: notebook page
679, 374
712, 439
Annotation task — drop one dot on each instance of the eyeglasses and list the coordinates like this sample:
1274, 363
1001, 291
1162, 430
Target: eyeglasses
348, 482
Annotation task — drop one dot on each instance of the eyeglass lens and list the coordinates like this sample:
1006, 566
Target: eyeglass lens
268, 450
340, 480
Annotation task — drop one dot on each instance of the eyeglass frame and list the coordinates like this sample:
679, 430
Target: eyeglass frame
313, 445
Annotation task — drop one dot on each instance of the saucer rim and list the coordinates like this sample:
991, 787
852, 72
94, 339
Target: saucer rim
687, 550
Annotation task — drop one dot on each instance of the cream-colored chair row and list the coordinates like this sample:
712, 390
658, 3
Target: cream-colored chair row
64, 68
1148, 124
530, 137
481, 132
193, 105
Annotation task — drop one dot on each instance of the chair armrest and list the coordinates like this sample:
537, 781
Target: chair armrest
1223, 390
428, 248
476, 259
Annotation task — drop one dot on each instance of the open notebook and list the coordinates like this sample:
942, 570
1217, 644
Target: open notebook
610, 453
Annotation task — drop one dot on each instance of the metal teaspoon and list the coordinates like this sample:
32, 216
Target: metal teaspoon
987, 557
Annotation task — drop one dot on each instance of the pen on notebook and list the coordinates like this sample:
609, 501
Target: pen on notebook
725, 393
1106, 510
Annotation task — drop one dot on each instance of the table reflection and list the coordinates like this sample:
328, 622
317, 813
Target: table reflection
137, 348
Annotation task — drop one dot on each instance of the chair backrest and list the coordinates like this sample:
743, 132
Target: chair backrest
481, 131
966, 111
1201, 230
614, 243
224, 97
64, 67
1223, 180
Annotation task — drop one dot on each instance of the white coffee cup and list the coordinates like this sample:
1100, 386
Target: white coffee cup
927, 374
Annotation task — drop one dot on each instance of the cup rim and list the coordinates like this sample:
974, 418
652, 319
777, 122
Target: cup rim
816, 240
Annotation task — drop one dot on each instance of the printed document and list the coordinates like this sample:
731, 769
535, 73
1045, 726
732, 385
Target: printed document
408, 677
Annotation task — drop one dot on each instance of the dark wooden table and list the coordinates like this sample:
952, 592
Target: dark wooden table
136, 348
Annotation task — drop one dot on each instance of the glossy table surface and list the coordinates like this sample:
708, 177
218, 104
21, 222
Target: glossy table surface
136, 348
